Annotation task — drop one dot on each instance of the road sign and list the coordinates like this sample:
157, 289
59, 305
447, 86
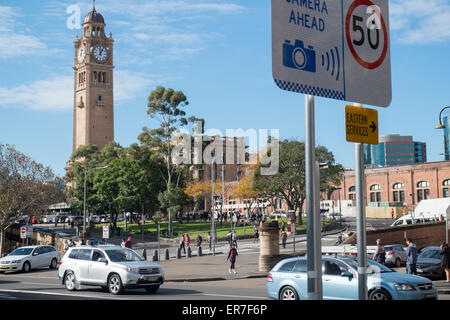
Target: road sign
105, 232
336, 49
23, 232
361, 125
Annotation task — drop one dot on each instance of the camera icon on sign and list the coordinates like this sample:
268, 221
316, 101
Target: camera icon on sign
296, 56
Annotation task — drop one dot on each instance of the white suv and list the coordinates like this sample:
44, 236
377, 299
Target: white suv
112, 267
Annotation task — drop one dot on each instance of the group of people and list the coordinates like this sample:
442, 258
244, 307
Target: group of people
185, 241
412, 254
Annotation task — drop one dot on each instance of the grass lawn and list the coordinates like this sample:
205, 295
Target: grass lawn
193, 228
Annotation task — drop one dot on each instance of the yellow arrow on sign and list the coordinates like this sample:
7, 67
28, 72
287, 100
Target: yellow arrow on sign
361, 125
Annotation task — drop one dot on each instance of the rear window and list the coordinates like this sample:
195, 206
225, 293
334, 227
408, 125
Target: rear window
430, 254
84, 254
300, 266
287, 267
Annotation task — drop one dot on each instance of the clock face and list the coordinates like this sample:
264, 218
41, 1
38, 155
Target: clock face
81, 54
100, 53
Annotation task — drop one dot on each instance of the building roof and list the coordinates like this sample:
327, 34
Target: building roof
94, 17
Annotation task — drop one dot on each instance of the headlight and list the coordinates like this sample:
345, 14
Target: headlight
128, 269
15, 261
404, 287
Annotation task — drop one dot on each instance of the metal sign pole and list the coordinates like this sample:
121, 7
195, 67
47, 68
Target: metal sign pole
360, 219
318, 233
309, 175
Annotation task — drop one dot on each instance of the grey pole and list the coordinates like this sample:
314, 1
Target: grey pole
84, 204
213, 220
360, 219
317, 233
309, 177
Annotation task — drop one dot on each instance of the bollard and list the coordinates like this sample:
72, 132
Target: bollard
189, 253
144, 254
178, 253
167, 256
199, 251
155, 255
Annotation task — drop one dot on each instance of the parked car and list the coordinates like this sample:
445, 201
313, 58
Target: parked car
395, 254
111, 267
288, 281
27, 258
429, 263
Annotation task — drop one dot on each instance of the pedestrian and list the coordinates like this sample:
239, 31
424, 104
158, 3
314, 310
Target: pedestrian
234, 238
199, 240
208, 238
187, 240
128, 244
283, 238
232, 254
229, 237
71, 243
392, 213
66, 246
411, 252
182, 246
17, 245
445, 259
379, 254
122, 244
88, 242
256, 236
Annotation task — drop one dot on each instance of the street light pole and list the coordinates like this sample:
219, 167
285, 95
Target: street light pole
213, 219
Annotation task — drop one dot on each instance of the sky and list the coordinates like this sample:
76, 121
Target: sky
218, 52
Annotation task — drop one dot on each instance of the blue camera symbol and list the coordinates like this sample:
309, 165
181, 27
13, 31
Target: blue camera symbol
296, 56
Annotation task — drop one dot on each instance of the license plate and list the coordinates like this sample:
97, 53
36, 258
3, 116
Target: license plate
5, 267
150, 278
429, 295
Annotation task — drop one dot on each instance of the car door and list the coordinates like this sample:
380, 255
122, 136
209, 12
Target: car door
37, 257
337, 286
83, 261
300, 278
97, 270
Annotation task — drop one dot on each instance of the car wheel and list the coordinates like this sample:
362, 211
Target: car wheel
379, 294
70, 281
288, 293
115, 284
26, 267
53, 264
398, 262
152, 289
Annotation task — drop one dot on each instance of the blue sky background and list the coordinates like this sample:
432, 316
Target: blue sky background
219, 54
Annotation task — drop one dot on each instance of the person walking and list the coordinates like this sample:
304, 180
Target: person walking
209, 239
232, 254
182, 245
122, 244
379, 254
411, 252
229, 238
128, 244
283, 238
256, 236
234, 239
445, 259
199, 240
187, 240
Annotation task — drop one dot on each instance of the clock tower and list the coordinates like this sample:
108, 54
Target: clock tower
93, 120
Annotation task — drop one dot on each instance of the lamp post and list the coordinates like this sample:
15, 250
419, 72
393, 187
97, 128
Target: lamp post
213, 219
446, 155
84, 197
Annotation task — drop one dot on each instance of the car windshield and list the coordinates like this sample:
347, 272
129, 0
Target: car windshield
430, 254
373, 266
123, 255
21, 252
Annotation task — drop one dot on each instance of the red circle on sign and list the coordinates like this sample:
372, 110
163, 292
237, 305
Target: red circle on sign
365, 64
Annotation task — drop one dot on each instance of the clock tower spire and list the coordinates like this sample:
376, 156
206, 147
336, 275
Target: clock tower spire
93, 87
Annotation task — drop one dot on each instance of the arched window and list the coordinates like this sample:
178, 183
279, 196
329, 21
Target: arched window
375, 193
445, 185
351, 193
423, 190
399, 192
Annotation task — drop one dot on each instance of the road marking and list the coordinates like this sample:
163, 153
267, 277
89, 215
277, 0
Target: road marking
60, 294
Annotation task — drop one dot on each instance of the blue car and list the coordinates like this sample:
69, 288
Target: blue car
288, 281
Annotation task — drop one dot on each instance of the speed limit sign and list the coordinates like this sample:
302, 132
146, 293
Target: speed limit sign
338, 49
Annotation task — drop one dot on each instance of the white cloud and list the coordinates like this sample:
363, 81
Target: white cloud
14, 43
56, 94
420, 21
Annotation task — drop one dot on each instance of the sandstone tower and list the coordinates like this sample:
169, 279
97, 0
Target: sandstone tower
93, 120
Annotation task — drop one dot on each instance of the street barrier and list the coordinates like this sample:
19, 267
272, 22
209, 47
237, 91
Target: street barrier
166, 253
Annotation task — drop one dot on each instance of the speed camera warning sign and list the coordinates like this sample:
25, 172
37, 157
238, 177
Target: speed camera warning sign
337, 49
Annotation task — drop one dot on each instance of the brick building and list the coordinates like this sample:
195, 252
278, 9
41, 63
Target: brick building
404, 184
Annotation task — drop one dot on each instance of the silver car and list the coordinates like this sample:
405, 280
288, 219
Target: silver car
395, 255
112, 267
31, 257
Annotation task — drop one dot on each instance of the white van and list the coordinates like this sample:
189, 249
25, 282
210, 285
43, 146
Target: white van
408, 219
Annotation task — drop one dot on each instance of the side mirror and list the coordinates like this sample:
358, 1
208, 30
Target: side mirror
347, 274
102, 260
35, 253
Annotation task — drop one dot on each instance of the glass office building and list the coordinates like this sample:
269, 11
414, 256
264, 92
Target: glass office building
393, 150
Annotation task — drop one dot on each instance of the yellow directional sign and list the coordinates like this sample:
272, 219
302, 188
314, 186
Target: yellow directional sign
361, 125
